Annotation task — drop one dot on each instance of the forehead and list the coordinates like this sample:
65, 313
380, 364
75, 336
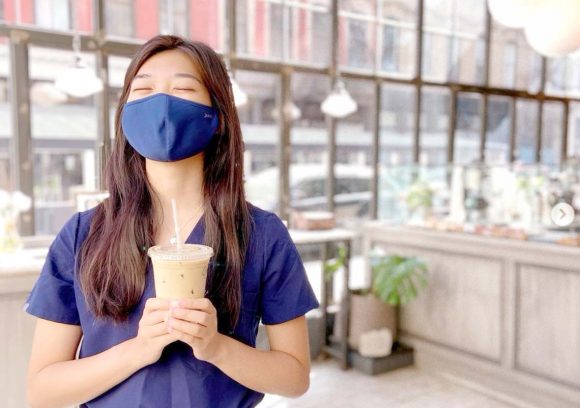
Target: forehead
167, 64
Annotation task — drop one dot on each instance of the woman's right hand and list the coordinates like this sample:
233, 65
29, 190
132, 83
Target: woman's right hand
153, 336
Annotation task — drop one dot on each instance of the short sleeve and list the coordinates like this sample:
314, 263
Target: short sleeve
53, 296
286, 292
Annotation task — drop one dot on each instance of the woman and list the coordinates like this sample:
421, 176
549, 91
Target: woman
177, 136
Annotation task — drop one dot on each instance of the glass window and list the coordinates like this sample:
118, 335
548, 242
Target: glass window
574, 130
434, 125
310, 28
260, 26
499, 124
63, 140
117, 69
398, 36
5, 116
173, 17
356, 33
49, 14
309, 141
259, 119
526, 130
454, 40
353, 168
397, 124
563, 77
467, 128
199, 20
552, 133
397, 121
514, 64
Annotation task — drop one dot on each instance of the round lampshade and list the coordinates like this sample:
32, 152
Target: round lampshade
512, 13
553, 29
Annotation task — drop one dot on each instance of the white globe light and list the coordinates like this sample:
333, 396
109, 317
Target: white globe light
339, 103
553, 29
78, 80
512, 13
240, 97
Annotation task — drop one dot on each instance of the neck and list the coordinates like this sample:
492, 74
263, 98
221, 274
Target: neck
182, 181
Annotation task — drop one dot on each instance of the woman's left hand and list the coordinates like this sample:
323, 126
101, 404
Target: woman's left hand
194, 321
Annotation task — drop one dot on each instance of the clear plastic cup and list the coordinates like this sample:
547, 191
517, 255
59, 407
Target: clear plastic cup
180, 272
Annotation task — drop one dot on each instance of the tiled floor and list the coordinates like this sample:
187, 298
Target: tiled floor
403, 388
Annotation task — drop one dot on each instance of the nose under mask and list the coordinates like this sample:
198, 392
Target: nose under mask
166, 128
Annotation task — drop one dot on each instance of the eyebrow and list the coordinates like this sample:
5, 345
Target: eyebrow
178, 75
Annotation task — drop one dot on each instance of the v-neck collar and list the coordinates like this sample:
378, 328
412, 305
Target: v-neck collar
196, 235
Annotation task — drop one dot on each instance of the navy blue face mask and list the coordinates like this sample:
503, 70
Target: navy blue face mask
166, 128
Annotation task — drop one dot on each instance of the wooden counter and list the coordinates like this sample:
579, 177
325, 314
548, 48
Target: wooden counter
498, 314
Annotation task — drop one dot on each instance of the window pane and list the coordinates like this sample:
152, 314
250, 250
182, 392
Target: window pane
574, 130
199, 20
356, 36
467, 128
398, 37
64, 135
117, 69
309, 139
310, 28
526, 130
514, 64
397, 121
563, 76
260, 26
5, 116
259, 118
499, 124
353, 171
454, 40
49, 14
553, 120
434, 125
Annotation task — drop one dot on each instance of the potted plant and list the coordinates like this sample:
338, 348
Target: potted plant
396, 280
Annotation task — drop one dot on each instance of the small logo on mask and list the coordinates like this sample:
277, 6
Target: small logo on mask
207, 115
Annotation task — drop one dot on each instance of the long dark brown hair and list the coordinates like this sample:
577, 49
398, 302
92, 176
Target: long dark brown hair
113, 258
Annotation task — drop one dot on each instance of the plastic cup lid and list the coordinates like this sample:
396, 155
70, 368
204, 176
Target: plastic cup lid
187, 252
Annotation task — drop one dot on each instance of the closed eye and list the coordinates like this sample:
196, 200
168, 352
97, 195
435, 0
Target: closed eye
184, 89
142, 89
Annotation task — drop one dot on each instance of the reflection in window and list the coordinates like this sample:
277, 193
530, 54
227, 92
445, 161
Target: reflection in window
434, 125
53, 14
260, 27
5, 116
309, 137
397, 122
310, 27
173, 17
574, 130
526, 130
551, 153
467, 128
499, 124
120, 18
454, 37
63, 139
378, 35
513, 63
563, 76
259, 120
353, 168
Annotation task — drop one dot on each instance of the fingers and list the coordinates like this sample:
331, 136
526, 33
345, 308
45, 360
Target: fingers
154, 330
203, 304
157, 304
193, 316
192, 329
154, 317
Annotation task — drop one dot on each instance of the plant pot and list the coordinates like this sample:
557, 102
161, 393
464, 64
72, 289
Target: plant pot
367, 313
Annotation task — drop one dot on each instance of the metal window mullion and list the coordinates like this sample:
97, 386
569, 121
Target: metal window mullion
540, 121
375, 150
331, 121
485, 101
564, 144
284, 149
513, 129
452, 127
418, 81
232, 30
22, 155
103, 143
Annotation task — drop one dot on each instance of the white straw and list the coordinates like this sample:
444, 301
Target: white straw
175, 224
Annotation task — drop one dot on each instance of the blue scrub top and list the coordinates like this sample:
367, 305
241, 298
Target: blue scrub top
274, 288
